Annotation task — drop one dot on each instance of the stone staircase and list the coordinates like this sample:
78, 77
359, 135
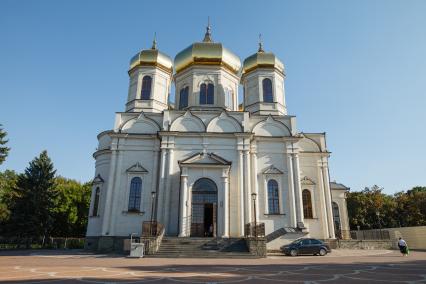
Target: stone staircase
282, 231
174, 247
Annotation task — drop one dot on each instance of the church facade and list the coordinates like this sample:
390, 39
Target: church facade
209, 165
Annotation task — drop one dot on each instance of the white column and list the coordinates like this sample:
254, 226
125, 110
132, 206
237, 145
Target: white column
167, 205
115, 192
255, 182
324, 217
247, 188
161, 187
154, 176
328, 201
183, 204
242, 197
106, 212
225, 195
291, 193
297, 188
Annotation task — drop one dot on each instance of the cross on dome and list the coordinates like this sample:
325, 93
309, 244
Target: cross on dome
260, 44
154, 41
208, 35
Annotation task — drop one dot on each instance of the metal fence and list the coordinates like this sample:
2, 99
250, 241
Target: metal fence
41, 242
151, 229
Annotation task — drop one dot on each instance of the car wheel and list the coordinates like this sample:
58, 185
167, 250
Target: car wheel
322, 252
293, 252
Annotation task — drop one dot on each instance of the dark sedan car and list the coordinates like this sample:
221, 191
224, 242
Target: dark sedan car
306, 246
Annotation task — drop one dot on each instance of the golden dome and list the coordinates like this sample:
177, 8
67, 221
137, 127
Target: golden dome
152, 57
262, 59
207, 53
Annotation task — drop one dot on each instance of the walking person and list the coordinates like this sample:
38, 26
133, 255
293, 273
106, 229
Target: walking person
403, 248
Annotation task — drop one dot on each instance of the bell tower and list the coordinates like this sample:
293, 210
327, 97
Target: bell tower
263, 81
207, 76
150, 75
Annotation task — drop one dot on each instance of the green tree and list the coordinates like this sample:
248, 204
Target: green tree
33, 205
399, 210
371, 208
4, 151
71, 208
7, 184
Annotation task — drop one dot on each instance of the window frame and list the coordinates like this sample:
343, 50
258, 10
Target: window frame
265, 96
183, 91
144, 92
96, 201
308, 211
206, 94
138, 195
275, 198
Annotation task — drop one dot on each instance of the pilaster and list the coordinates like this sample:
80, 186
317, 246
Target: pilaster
184, 222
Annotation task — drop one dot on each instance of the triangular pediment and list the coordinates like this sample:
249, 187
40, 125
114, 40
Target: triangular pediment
98, 179
205, 159
272, 170
307, 181
136, 168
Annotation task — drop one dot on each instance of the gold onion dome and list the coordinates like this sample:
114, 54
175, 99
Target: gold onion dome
207, 52
262, 59
152, 57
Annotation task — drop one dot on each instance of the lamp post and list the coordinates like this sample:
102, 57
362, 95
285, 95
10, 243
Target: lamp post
152, 211
253, 196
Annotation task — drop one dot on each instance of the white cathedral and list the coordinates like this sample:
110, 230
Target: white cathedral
207, 165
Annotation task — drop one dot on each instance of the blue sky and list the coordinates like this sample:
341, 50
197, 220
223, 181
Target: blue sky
355, 70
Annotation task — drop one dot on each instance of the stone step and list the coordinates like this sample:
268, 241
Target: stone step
174, 247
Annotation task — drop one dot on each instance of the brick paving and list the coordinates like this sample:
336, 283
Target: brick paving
342, 266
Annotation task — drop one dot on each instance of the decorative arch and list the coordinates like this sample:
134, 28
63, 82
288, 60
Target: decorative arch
140, 124
224, 123
308, 144
271, 127
188, 123
204, 197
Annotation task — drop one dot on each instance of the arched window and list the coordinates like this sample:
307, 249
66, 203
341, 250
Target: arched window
96, 202
183, 98
336, 219
206, 94
146, 88
135, 194
273, 197
307, 204
267, 91
228, 98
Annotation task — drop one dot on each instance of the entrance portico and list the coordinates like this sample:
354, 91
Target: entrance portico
204, 194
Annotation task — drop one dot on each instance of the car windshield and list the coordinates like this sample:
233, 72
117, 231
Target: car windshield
296, 242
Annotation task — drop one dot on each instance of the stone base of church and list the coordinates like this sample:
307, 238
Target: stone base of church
105, 243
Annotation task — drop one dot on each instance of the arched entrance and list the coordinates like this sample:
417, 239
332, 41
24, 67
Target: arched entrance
204, 208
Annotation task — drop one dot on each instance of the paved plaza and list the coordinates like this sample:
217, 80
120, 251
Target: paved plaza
342, 266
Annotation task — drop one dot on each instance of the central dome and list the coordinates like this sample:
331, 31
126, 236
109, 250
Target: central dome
207, 53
